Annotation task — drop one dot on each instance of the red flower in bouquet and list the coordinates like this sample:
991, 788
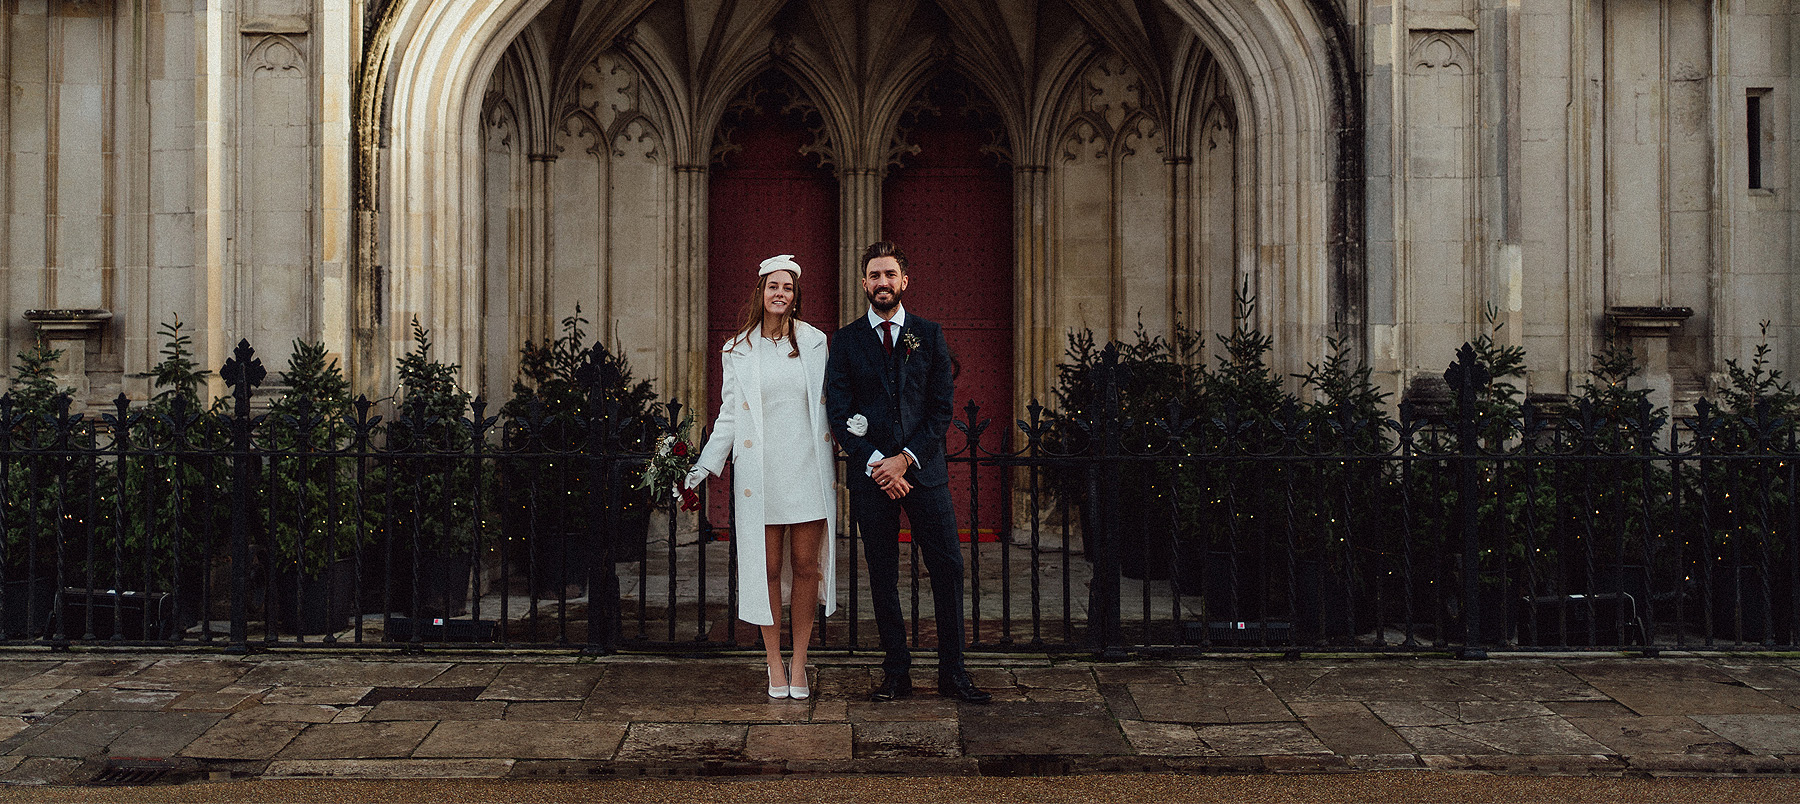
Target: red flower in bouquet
667, 468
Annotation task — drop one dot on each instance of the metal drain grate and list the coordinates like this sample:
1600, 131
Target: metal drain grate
380, 694
124, 771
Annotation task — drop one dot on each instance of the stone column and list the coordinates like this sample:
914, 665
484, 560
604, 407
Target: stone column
689, 347
534, 304
1036, 341
6, 180
340, 32
1185, 299
859, 224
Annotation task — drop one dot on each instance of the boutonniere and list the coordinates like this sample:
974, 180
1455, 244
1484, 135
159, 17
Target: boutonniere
911, 341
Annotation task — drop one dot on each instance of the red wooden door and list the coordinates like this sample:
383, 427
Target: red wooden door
949, 207
766, 198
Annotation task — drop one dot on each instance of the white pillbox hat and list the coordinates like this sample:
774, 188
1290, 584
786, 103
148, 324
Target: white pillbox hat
779, 262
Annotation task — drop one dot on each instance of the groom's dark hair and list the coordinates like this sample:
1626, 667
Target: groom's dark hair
883, 248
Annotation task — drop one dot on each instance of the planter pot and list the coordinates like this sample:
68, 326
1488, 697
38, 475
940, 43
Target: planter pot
1498, 623
307, 605
634, 532
1146, 542
28, 603
560, 562
556, 547
1737, 600
1229, 584
443, 586
1146, 538
1324, 608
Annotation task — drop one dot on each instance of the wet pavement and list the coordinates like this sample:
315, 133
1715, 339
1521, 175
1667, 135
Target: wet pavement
96, 718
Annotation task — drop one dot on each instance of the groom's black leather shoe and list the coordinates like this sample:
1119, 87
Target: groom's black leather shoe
893, 685
962, 689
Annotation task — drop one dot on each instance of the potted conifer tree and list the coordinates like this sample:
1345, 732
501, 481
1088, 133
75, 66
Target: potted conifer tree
319, 514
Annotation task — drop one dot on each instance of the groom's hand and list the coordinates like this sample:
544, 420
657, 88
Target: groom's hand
889, 469
897, 489
890, 475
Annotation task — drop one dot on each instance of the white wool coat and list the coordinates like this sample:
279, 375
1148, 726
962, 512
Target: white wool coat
738, 435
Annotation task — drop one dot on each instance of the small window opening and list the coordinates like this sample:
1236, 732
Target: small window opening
1756, 128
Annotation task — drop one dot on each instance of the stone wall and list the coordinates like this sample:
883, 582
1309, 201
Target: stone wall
1550, 161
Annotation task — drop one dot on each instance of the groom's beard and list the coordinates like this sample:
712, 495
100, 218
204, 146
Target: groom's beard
883, 304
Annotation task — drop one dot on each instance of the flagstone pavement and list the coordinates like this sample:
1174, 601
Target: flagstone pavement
83, 717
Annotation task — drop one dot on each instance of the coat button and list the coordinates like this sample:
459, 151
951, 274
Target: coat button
746, 492
746, 406
746, 443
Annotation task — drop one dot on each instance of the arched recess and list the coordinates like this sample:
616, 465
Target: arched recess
1286, 65
506, 207
1110, 202
1288, 69
770, 192
1211, 262
1284, 69
420, 177
947, 200
610, 205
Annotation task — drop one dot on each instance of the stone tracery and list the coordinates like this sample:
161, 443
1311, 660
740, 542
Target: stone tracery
1107, 118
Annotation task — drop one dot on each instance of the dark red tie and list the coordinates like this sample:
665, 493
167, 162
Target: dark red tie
887, 336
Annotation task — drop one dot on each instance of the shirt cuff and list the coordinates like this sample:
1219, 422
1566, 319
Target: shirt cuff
909, 454
874, 458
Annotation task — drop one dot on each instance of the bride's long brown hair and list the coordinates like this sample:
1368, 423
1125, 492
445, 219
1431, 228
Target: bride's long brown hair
754, 313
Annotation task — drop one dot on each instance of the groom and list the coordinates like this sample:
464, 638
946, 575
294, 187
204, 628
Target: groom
888, 393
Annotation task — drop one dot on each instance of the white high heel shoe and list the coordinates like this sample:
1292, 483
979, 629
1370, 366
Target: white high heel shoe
778, 692
797, 692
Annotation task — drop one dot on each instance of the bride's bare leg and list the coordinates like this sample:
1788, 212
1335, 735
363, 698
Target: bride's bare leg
771, 634
808, 538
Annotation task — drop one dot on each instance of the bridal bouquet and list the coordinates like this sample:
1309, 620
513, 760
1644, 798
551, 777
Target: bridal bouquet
668, 467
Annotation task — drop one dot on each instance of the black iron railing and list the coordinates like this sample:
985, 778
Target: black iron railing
1194, 530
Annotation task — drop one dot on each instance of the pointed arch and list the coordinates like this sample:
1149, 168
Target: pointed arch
1286, 65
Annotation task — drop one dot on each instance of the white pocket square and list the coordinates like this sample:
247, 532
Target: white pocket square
857, 425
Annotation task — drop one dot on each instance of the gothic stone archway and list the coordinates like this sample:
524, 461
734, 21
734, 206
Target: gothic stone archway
1279, 67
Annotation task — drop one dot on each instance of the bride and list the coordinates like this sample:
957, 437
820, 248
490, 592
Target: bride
772, 425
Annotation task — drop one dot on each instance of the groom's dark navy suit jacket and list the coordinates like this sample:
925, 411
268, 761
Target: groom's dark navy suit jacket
907, 397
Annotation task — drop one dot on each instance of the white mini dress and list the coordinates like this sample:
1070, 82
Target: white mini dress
788, 431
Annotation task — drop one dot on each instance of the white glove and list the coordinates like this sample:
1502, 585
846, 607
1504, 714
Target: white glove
857, 425
695, 477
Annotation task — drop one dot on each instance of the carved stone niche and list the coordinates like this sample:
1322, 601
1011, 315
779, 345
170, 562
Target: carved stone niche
1649, 329
1647, 322
74, 332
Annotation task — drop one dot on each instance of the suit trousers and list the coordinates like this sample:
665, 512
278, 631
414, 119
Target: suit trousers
933, 518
